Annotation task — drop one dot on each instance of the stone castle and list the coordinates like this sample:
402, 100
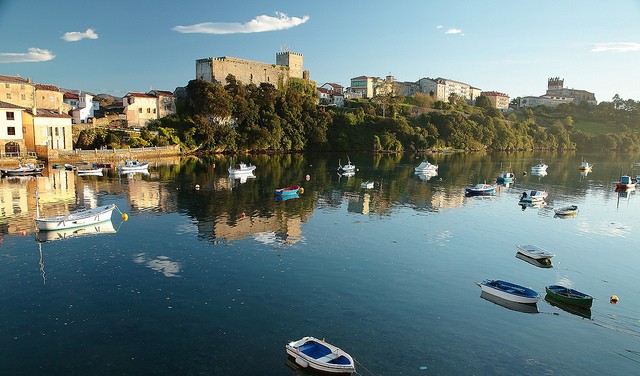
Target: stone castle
288, 65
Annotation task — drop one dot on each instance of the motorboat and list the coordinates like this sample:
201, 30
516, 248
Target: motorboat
518, 307
544, 263
506, 177
534, 251
567, 211
290, 190
569, 296
533, 196
133, 166
27, 169
481, 189
539, 168
319, 355
89, 172
241, 169
625, 183
346, 168
367, 185
75, 219
509, 291
585, 166
426, 167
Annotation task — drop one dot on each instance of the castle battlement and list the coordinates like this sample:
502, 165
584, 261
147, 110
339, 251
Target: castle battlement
288, 53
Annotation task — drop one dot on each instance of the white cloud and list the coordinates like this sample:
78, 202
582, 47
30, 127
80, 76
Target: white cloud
616, 47
34, 55
453, 30
257, 25
74, 36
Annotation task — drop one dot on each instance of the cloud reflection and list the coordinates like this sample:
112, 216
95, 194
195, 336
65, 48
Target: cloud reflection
160, 264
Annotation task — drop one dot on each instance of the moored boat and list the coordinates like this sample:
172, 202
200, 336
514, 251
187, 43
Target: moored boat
567, 210
241, 169
533, 196
133, 166
481, 189
540, 167
317, 354
506, 177
426, 167
28, 169
75, 219
569, 296
290, 190
509, 291
518, 307
346, 168
625, 183
534, 251
585, 166
89, 172
367, 185
544, 263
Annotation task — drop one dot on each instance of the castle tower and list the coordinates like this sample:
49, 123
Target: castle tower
555, 83
293, 60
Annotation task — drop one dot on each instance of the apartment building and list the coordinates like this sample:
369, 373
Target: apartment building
443, 88
498, 100
17, 90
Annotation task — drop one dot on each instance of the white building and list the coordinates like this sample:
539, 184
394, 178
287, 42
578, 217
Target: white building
82, 106
11, 135
544, 100
442, 88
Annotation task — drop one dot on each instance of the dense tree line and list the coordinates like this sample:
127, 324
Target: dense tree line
260, 118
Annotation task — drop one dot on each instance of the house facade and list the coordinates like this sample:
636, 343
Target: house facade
11, 130
498, 100
368, 87
140, 108
329, 97
17, 90
46, 130
443, 88
543, 100
166, 102
49, 97
82, 106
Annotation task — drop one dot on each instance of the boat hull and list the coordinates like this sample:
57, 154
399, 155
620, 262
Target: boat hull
569, 296
510, 291
296, 351
534, 251
77, 219
293, 190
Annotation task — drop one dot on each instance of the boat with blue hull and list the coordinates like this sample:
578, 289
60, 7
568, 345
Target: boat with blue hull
319, 355
481, 189
509, 291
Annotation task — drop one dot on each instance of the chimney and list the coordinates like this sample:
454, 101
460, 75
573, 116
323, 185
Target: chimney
28, 80
35, 111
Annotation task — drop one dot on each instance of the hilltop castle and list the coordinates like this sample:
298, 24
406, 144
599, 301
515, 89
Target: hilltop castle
288, 65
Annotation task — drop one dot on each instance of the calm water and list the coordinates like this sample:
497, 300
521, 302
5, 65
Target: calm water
215, 281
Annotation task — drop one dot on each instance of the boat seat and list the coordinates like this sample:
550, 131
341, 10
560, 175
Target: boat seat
327, 358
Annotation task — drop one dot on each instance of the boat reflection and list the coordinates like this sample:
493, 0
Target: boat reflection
519, 307
539, 173
572, 309
541, 263
93, 229
286, 197
426, 176
534, 205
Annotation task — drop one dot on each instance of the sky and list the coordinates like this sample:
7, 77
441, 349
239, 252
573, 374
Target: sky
513, 47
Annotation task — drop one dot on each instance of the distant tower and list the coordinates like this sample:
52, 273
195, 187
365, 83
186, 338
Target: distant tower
293, 60
555, 83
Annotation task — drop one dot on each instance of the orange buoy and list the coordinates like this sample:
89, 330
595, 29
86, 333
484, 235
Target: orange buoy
614, 299
125, 217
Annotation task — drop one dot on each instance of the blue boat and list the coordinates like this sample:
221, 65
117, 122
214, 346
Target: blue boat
481, 189
506, 177
291, 190
509, 291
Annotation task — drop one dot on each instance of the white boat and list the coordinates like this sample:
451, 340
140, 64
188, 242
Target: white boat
105, 227
534, 251
533, 196
367, 185
539, 167
310, 352
241, 168
509, 291
567, 210
585, 166
426, 167
89, 172
481, 189
27, 169
75, 219
506, 177
133, 166
346, 168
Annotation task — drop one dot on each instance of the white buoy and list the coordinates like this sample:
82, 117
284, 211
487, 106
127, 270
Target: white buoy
302, 363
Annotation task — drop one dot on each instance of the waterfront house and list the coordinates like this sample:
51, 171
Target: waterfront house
11, 135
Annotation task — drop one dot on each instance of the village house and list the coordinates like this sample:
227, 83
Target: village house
46, 131
142, 108
330, 97
11, 135
17, 90
498, 100
82, 105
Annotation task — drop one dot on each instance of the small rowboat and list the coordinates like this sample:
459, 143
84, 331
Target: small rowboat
534, 251
75, 219
509, 291
481, 189
567, 210
290, 190
569, 296
310, 352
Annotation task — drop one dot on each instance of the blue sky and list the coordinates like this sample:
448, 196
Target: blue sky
508, 46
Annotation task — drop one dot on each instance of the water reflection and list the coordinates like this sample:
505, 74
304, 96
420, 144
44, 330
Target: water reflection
518, 307
161, 264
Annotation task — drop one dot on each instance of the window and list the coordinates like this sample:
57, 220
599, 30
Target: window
8, 95
23, 97
10, 115
148, 110
140, 110
7, 86
51, 98
11, 131
154, 110
57, 132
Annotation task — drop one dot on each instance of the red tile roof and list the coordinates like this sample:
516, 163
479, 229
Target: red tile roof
41, 112
69, 95
13, 79
139, 95
46, 87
